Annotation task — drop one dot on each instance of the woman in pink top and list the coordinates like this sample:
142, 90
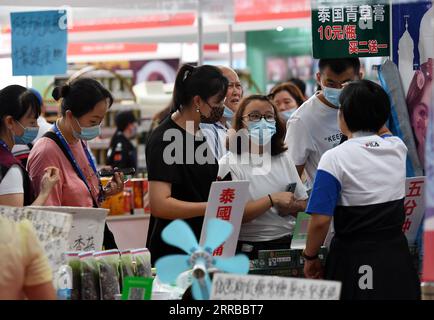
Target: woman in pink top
84, 105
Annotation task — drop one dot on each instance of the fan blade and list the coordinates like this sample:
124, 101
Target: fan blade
239, 264
179, 234
169, 267
217, 231
201, 288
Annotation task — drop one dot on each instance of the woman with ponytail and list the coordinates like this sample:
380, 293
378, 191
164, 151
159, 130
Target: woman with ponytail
84, 104
180, 165
19, 110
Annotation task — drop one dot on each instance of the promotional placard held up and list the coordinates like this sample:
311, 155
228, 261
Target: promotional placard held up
357, 28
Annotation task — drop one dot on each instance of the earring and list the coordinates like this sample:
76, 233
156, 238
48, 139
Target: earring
197, 109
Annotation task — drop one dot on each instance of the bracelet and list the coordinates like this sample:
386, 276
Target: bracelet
309, 258
271, 200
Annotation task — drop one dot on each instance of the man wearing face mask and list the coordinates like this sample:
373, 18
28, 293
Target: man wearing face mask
313, 129
122, 153
216, 133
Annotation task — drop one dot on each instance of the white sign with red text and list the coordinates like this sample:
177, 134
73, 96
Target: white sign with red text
226, 201
414, 206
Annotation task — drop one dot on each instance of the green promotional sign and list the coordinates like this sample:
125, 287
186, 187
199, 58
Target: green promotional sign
357, 28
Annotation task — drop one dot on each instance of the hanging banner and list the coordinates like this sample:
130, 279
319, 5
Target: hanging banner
226, 201
354, 29
39, 42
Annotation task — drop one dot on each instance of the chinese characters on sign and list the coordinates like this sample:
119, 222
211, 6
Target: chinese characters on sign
414, 206
226, 201
235, 287
39, 42
350, 30
52, 228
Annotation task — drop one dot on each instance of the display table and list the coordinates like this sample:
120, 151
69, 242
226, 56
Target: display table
130, 231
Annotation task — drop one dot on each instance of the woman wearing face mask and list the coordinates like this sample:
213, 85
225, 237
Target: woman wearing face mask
84, 105
287, 97
181, 167
19, 110
276, 191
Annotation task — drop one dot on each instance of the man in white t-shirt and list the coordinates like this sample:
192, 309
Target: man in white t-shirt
313, 129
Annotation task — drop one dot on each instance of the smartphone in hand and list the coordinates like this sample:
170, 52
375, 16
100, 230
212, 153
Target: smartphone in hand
111, 172
291, 187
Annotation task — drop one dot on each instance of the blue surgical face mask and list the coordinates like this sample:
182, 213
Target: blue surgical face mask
89, 133
332, 95
261, 132
28, 136
228, 113
287, 114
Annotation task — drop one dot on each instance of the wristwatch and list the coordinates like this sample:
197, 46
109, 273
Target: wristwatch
309, 258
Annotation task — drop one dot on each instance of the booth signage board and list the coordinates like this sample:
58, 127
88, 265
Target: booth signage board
354, 29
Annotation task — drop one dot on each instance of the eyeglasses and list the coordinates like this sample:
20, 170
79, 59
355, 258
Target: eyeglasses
256, 117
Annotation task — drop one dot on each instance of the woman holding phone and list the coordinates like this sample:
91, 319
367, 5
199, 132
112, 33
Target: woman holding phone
84, 105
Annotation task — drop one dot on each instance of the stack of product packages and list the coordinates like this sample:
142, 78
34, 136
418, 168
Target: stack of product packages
100, 275
283, 262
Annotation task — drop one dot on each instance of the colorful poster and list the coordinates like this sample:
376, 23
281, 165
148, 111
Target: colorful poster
355, 29
39, 43
226, 201
413, 53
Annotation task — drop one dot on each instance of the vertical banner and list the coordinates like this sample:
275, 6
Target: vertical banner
39, 43
226, 201
413, 38
428, 241
414, 206
355, 29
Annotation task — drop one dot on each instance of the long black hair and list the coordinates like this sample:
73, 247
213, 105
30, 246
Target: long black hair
203, 81
16, 101
81, 96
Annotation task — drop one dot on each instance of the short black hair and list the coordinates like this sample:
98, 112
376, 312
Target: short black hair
300, 84
123, 119
365, 106
16, 101
203, 81
340, 65
81, 96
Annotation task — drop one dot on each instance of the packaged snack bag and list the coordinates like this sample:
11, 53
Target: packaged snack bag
108, 265
89, 276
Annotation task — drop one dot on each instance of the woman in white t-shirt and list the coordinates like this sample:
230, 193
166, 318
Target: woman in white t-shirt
258, 154
19, 110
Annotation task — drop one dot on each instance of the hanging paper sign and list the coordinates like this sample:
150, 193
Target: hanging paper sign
358, 28
248, 287
414, 206
226, 201
39, 42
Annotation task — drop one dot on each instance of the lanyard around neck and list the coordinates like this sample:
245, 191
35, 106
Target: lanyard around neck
75, 163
